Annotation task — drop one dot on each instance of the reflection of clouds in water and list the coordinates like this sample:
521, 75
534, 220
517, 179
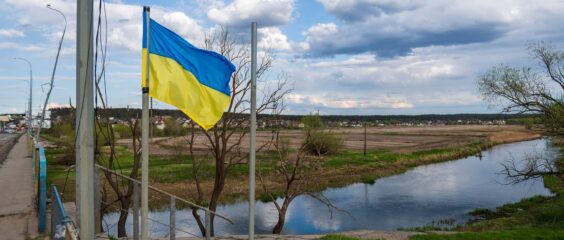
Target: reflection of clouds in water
266, 214
415, 198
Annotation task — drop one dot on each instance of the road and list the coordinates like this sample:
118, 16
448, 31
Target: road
6, 142
17, 214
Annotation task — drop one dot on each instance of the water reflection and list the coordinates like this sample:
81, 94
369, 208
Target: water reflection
415, 198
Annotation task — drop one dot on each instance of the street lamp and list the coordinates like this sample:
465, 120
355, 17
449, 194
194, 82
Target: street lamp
53, 74
30, 93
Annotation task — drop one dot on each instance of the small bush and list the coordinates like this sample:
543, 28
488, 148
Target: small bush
320, 143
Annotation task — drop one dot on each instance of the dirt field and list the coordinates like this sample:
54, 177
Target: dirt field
396, 139
464, 140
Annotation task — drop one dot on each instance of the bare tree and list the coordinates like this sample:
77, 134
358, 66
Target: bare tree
224, 141
535, 166
121, 188
293, 171
524, 90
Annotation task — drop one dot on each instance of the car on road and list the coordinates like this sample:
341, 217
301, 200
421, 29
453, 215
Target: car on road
10, 130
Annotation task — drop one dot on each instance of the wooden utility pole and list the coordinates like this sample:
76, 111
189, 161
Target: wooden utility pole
365, 139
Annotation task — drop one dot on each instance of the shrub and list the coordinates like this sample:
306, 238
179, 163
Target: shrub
319, 142
172, 128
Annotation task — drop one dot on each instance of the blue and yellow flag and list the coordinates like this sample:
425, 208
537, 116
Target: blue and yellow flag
194, 80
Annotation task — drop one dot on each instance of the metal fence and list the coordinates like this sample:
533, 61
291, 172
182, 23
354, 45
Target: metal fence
40, 181
62, 227
173, 199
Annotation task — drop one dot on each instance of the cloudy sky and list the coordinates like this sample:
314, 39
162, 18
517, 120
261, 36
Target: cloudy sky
342, 56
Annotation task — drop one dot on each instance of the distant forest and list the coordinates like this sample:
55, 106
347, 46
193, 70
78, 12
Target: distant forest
122, 114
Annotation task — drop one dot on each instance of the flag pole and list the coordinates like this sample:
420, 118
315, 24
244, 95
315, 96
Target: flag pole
145, 139
253, 131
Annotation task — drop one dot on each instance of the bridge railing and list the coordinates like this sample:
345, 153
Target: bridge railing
62, 226
40, 181
172, 209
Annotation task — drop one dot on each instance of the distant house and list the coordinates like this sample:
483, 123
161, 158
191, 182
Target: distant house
159, 123
185, 122
4, 120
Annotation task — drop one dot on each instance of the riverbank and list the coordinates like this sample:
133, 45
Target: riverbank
390, 151
539, 217
352, 166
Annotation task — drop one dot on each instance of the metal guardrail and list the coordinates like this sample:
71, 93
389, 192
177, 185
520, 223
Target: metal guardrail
62, 227
172, 209
40, 180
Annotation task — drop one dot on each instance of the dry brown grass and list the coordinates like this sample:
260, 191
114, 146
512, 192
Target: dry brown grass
394, 139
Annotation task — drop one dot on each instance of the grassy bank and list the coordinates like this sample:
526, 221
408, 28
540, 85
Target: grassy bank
538, 217
174, 173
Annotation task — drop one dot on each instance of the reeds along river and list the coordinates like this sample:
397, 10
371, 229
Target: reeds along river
418, 197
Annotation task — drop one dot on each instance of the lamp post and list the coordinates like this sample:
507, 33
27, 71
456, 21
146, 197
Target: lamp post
53, 74
30, 94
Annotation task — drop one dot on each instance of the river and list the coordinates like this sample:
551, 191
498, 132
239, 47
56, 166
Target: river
424, 194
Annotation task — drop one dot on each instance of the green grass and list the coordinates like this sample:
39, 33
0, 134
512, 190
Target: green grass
342, 237
171, 169
379, 158
538, 217
368, 179
520, 234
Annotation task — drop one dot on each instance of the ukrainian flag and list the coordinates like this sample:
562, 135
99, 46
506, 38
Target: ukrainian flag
194, 80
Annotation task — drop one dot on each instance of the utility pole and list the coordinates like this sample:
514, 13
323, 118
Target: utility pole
30, 95
364, 138
85, 119
253, 131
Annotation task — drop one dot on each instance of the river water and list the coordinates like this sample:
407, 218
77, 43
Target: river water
447, 190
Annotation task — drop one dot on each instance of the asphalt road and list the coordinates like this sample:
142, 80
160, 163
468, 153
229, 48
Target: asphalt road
6, 143
6, 136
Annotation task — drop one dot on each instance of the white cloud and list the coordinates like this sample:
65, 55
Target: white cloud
57, 105
273, 38
183, 25
11, 33
240, 13
349, 102
394, 28
20, 46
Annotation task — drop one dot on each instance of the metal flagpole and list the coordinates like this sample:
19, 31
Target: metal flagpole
85, 118
145, 140
253, 131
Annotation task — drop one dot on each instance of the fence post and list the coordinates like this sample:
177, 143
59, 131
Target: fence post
135, 211
36, 173
97, 202
208, 224
172, 222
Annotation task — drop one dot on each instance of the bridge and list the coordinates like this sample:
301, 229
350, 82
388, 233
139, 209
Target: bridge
18, 218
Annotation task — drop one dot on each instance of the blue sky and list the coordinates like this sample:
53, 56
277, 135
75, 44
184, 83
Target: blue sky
342, 56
